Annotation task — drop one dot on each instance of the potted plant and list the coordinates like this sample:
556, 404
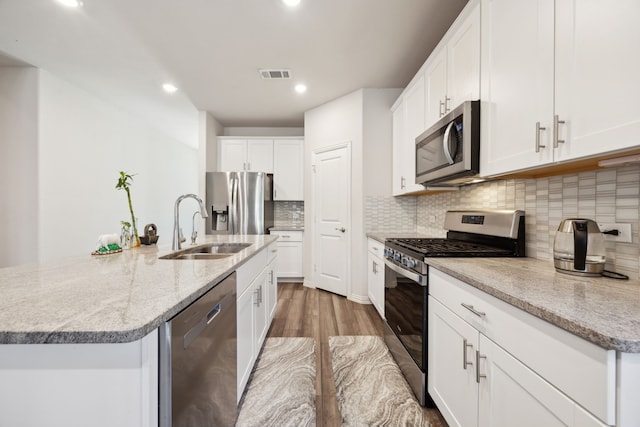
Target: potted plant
124, 183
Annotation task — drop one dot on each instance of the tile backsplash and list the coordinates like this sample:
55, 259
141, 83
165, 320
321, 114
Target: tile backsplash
607, 195
290, 213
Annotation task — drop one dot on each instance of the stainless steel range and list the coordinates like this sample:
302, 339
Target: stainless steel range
482, 233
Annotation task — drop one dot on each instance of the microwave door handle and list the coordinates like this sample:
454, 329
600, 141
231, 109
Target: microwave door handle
445, 142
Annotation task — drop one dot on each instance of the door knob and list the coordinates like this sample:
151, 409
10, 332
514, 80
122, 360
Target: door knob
341, 229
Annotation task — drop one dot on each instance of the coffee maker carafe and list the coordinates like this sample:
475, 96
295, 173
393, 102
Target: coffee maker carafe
579, 248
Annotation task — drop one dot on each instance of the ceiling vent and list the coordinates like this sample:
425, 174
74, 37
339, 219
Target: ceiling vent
275, 74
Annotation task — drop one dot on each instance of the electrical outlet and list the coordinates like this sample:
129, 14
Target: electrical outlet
624, 232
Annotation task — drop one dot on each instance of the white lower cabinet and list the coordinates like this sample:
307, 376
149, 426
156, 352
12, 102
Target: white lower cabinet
492, 365
375, 274
290, 254
255, 310
513, 395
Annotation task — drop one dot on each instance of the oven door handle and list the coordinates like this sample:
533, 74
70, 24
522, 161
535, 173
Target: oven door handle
418, 278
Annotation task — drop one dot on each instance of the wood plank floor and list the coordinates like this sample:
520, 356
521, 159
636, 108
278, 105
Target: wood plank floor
307, 312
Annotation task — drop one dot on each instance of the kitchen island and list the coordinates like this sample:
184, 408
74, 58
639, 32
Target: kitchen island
79, 336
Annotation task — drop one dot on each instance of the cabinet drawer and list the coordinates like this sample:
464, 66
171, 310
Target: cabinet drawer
288, 235
375, 247
250, 270
580, 369
272, 251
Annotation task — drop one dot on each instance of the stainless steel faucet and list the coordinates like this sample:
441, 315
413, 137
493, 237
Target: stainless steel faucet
194, 233
176, 218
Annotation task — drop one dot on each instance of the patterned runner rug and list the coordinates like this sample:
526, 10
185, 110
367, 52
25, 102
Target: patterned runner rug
282, 389
370, 387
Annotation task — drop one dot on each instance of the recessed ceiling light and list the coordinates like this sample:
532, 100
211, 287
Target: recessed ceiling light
300, 88
168, 87
70, 3
291, 3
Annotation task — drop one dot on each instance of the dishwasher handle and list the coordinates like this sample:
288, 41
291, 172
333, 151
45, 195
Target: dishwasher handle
207, 320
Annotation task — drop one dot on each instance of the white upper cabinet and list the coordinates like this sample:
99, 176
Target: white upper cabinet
288, 157
597, 68
556, 98
408, 123
436, 87
233, 155
452, 72
255, 155
517, 84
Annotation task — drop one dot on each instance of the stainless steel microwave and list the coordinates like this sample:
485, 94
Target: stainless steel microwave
448, 153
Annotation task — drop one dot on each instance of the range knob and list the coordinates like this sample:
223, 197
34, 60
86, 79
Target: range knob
411, 263
396, 256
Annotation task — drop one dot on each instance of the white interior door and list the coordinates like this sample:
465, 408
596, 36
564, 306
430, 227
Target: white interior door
331, 196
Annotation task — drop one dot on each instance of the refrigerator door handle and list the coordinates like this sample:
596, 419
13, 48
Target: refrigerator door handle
232, 207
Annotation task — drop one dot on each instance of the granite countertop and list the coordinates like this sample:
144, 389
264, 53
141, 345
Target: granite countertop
287, 227
108, 298
603, 311
381, 236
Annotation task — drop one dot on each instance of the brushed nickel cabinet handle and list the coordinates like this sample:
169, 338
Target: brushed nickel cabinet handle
556, 123
440, 112
478, 374
465, 362
538, 130
473, 310
446, 104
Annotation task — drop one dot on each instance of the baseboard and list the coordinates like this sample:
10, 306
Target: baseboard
360, 299
290, 280
308, 284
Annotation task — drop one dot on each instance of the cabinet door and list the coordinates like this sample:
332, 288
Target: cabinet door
513, 395
261, 290
289, 259
414, 125
375, 282
516, 84
463, 61
260, 155
398, 150
272, 294
245, 336
435, 75
288, 159
597, 69
233, 155
451, 379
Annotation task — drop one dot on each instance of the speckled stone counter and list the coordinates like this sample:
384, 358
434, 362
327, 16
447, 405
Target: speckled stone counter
382, 236
603, 311
108, 298
287, 227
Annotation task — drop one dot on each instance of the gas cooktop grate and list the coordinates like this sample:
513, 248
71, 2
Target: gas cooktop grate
448, 247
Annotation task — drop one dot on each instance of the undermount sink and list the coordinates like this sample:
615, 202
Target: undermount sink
208, 251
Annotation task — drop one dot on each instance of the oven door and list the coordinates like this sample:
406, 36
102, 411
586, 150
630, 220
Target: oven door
405, 305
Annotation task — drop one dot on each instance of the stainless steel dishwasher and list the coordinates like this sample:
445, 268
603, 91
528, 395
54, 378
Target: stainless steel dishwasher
198, 367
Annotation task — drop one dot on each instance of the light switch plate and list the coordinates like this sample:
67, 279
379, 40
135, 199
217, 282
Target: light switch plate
624, 231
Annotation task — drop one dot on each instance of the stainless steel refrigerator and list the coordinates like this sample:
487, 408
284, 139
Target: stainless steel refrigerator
239, 202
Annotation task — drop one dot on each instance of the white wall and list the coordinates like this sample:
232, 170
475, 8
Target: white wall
83, 144
363, 118
18, 165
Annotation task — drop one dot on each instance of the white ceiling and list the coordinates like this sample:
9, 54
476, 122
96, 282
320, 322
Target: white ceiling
123, 50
